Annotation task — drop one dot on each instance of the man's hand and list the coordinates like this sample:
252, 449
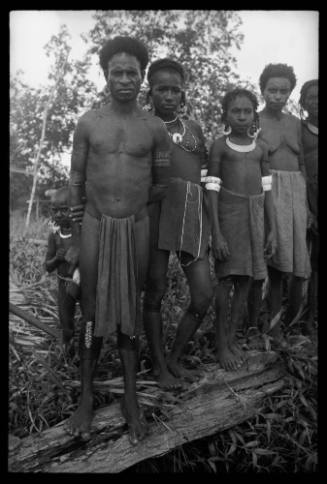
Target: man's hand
60, 254
220, 248
270, 246
77, 213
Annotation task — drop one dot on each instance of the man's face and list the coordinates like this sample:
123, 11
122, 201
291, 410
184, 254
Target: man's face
277, 92
310, 102
124, 77
240, 114
166, 91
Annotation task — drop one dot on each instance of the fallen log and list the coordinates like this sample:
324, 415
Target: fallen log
217, 402
30, 318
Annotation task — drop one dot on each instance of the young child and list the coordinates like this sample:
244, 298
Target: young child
58, 243
239, 185
309, 103
282, 134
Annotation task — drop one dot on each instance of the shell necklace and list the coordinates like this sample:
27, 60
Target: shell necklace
241, 148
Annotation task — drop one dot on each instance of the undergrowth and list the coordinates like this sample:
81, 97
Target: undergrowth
281, 438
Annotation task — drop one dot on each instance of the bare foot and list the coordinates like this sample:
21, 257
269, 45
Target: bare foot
137, 425
227, 359
168, 381
180, 372
79, 423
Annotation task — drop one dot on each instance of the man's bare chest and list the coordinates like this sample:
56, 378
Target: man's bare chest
129, 137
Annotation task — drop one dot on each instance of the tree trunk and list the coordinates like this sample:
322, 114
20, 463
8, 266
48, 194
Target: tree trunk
217, 402
38, 154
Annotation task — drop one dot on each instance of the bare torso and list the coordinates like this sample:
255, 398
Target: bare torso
283, 139
187, 165
119, 162
241, 172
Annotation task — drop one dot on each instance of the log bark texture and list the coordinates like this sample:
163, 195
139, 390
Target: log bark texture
217, 402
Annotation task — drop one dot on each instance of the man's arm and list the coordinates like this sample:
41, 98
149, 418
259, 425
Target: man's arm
219, 245
160, 162
77, 186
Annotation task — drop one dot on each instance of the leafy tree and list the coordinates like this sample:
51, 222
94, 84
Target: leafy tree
201, 40
67, 94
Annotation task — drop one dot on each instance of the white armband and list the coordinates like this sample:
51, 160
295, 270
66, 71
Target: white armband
204, 172
266, 183
213, 179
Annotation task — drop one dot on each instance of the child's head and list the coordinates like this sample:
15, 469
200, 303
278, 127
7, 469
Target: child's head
309, 98
239, 110
277, 81
59, 206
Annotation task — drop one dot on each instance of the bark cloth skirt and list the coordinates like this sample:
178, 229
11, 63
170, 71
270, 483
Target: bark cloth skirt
241, 220
289, 199
184, 223
117, 294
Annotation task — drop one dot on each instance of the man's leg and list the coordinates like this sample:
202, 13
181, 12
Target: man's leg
128, 352
128, 346
198, 277
156, 287
241, 290
90, 346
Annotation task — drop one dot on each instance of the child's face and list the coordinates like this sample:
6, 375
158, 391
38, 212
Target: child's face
60, 214
310, 102
276, 93
240, 114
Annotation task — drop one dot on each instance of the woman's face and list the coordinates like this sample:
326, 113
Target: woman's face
310, 102
276, 93
166, 91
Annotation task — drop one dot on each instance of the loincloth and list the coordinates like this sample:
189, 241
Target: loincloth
290, 212
241, 220
184, 222
117, 295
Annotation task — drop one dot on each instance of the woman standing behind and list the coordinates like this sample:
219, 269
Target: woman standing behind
309, 102
282, 133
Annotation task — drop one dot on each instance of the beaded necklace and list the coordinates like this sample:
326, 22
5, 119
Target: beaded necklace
178, 138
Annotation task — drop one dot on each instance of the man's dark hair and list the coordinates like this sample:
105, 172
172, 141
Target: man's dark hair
277, 70
165, 64
304, 89
123, 44
238, 92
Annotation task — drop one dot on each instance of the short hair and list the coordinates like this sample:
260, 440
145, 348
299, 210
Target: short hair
121, 44
304, 89
239, 92
165, 64
277, 70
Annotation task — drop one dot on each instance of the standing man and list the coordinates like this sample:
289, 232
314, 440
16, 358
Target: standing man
178, 224
121, 158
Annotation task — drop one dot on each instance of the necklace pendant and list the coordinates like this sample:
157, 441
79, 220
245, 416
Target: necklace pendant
177, 138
